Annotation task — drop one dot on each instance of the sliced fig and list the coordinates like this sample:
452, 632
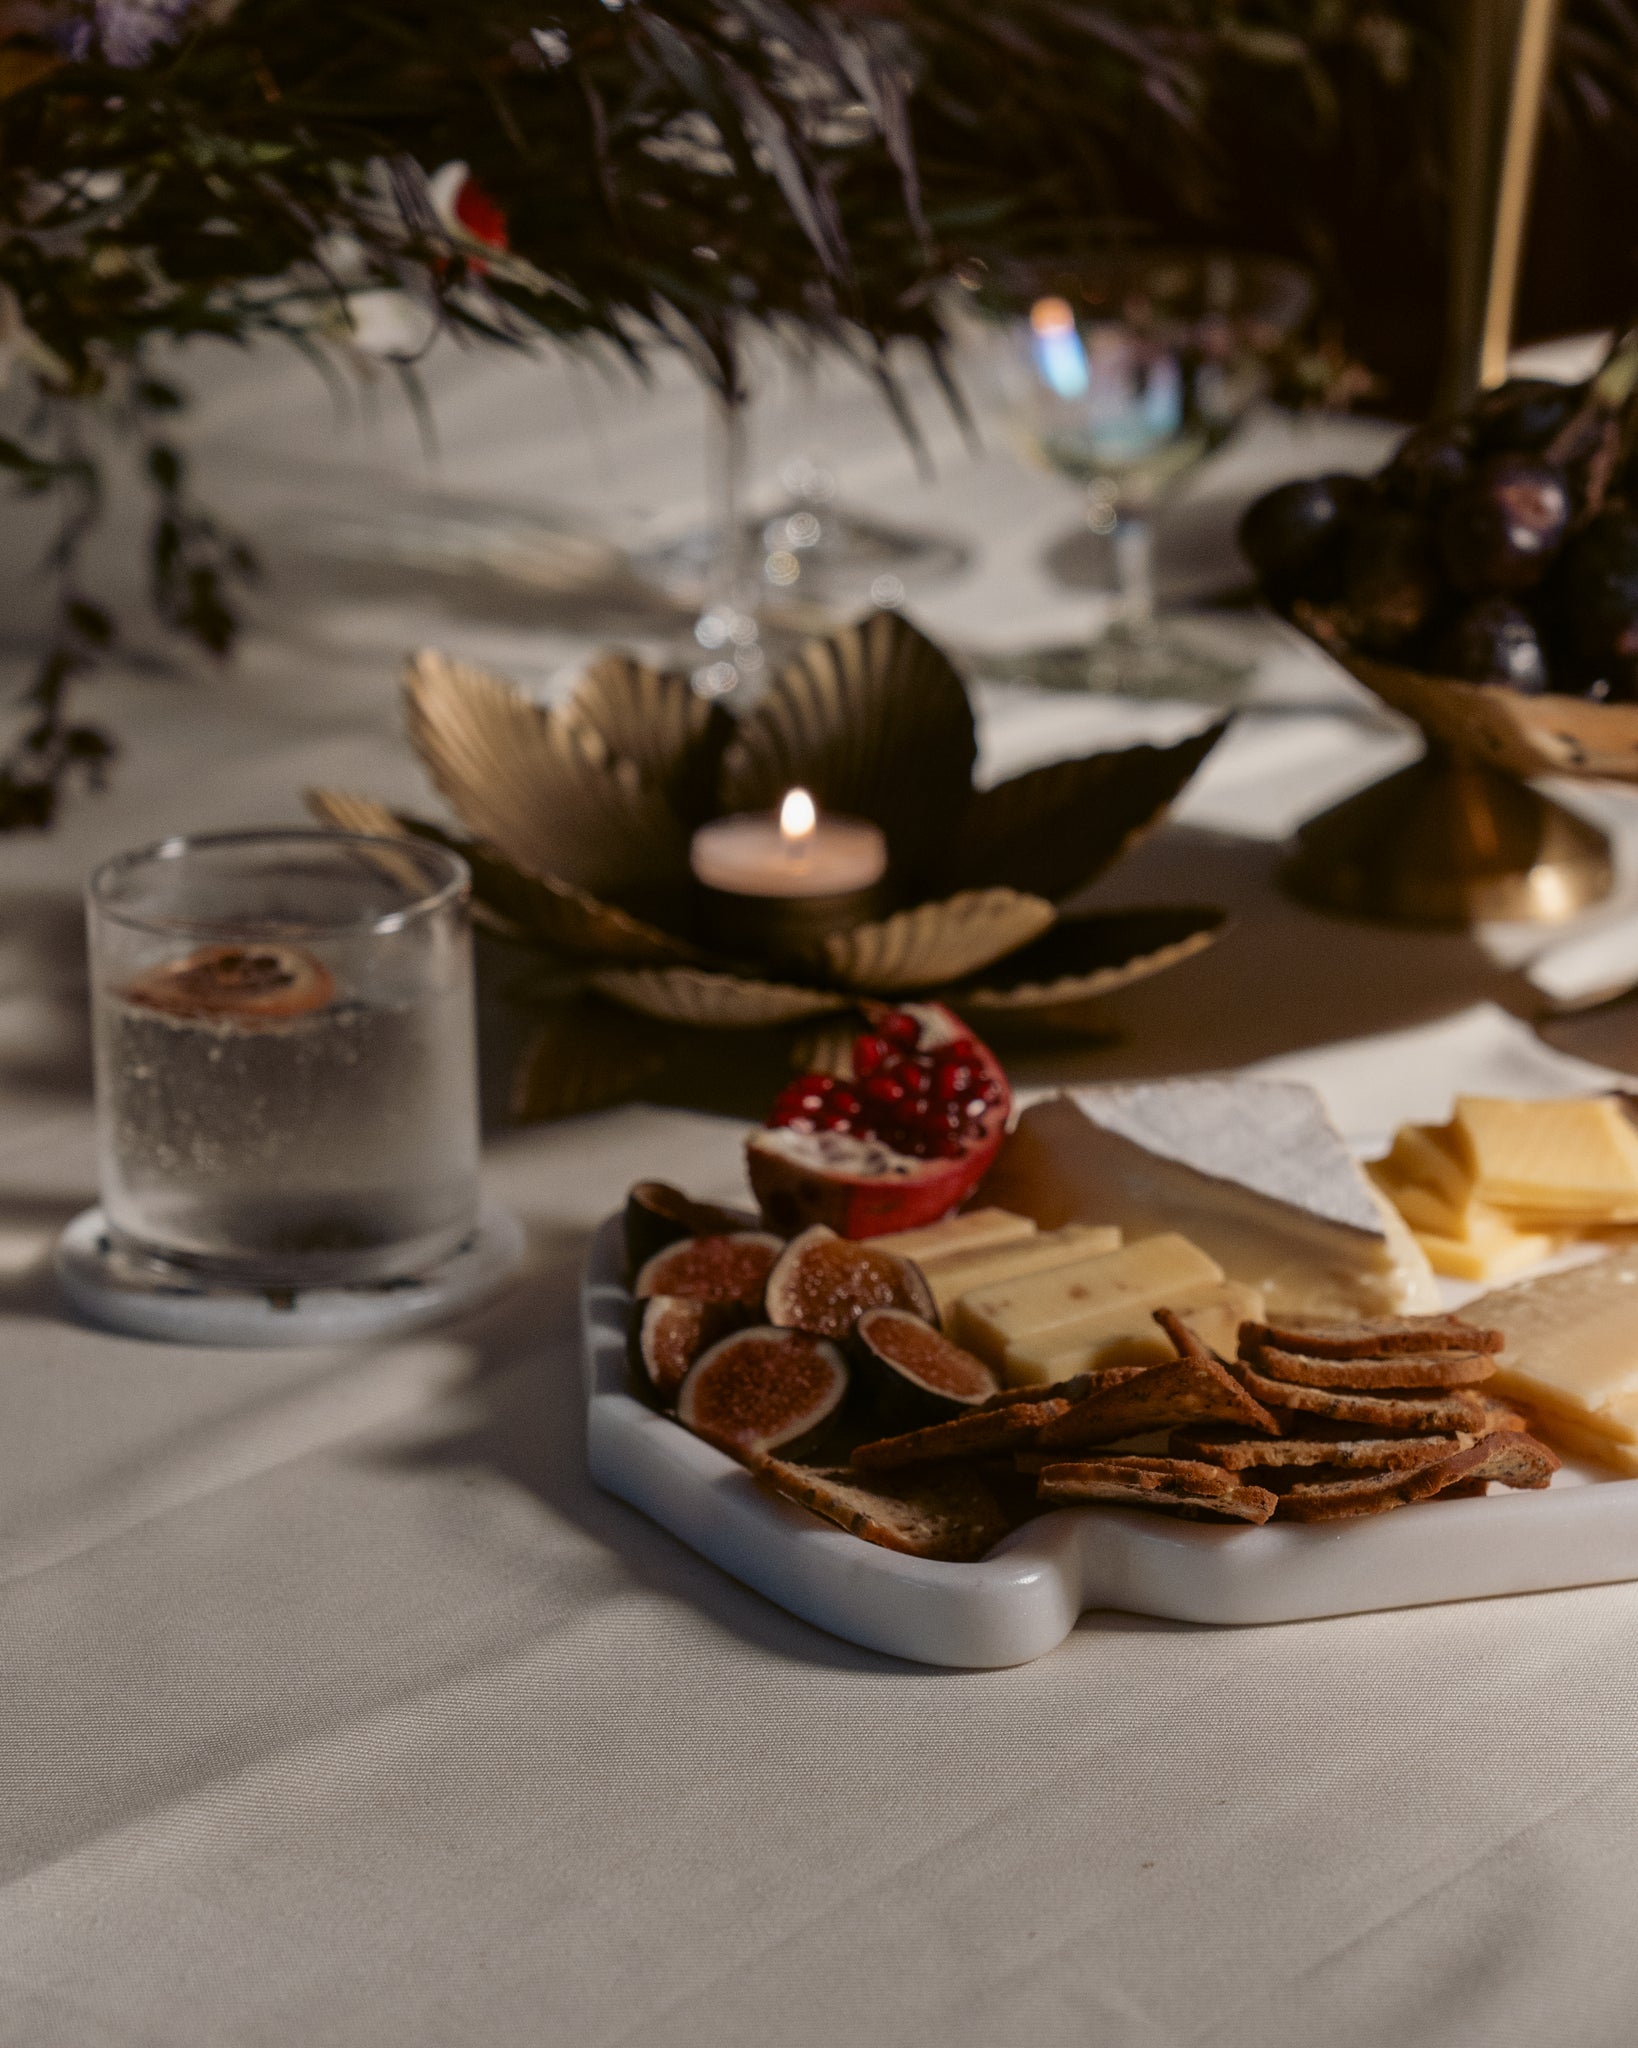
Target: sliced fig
240, 984
899, 1142
917, 1367
658, 1214
824, 1283
762, 1389
668, 1332
730, 1268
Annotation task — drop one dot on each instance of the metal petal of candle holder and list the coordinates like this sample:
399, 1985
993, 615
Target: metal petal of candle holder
1460, 835
580, 818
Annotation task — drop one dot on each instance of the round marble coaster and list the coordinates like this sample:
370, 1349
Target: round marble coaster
119, 1292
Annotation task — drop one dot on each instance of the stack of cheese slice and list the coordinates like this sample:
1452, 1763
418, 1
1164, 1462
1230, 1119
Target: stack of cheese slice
1571, 1354
1505, 1183
1045, 1305
1252, 1172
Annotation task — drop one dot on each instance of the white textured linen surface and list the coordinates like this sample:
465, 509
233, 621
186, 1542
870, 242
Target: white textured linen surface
338, 1708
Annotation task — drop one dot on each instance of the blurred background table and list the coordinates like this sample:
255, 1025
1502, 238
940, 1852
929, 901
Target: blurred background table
341, 1708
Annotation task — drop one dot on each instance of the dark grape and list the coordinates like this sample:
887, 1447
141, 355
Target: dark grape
1295, 536
1493, 641
1502, 528
1522, 415
1593, 598
1429, 464
1391, 579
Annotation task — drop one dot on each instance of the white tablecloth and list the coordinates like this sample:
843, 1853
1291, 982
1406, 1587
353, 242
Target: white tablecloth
337, 1707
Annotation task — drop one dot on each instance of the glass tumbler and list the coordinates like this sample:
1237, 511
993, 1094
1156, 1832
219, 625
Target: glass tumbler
286, 1072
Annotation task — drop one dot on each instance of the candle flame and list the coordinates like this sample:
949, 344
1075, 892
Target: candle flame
798, 819
1050, 317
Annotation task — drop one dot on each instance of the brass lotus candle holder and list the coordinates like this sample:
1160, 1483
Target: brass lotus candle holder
578, 822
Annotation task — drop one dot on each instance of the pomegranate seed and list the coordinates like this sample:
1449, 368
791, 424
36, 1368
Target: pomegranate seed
870, 1053
884, 1088
952, 1078
844, 1102
899, 1028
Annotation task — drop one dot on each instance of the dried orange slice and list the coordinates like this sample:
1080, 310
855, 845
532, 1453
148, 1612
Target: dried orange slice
260, 983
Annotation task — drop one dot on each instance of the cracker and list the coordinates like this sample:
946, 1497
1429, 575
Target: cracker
1159, 1397
1359, 1454
1435, 1369
1138, 1482
1507, 1456
980, 1435
1374, 1337
951, 1514
1077, 1389
1412, 1413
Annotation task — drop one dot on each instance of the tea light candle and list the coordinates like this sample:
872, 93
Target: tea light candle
791, 852
779, 881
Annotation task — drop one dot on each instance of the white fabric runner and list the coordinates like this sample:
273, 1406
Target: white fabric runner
339, 1708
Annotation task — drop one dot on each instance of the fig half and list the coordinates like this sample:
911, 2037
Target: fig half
762, 1389
238, 984
668, 1332
733, 1268
658, 1214
918, 1368
824, 1283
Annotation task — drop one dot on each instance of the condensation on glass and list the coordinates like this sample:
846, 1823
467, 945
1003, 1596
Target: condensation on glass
285, 1063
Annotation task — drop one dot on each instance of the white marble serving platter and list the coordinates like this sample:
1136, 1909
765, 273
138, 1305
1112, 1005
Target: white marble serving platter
1024, 1598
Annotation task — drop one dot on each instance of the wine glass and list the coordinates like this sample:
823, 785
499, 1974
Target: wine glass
1125, 371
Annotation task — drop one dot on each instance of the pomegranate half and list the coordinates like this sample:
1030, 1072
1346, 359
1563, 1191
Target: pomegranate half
900, 1141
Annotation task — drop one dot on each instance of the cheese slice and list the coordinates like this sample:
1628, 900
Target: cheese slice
1085, 1298
1571, 1338
951, 1277
973, 1231
1576, 1159
1489, 1249
1582, 1442
1428, 1155
1251, 1171
1133, 1337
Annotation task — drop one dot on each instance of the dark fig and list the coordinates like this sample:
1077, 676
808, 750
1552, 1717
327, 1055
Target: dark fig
1501, 530
1594, 602
1428, 465
732, 1268
1493, 641
1295, 536
824, 1283
658, 1214
668, 1332
1391, 580
762, 1389
1522, 415
918, 1369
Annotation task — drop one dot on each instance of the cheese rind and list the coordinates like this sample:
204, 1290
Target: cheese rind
950, 1278
1572, 1338
1084, 1298
1133, 1337
955, 1236
1251, 1171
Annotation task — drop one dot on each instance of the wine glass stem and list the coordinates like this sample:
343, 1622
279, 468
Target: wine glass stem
1135, 572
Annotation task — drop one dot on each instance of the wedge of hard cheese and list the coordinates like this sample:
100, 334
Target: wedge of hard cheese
961, 1273
1133, 1337
1084, 1301
974, 1230
1253, 1172
1572, 1349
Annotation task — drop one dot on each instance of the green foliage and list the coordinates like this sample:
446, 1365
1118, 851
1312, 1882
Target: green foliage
669, 170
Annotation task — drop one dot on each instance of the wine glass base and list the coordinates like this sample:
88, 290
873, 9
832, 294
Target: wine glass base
1157, 660
812, 553
172, 1305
